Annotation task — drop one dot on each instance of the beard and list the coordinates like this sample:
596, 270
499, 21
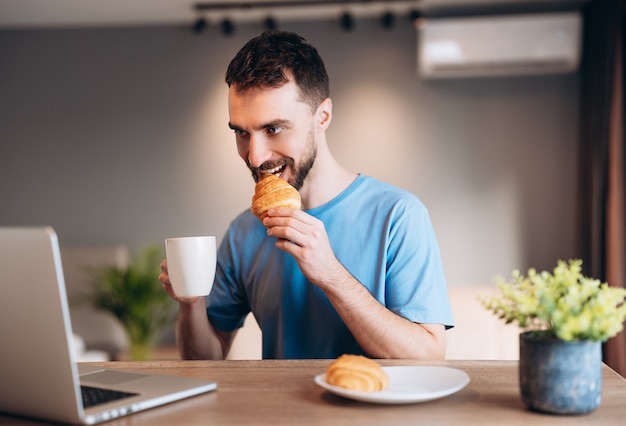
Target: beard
299, 171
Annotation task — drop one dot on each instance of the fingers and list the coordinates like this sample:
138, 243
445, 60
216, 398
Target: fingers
298, 233
290, 224
287, 212
163, 276
167, 285
305, 238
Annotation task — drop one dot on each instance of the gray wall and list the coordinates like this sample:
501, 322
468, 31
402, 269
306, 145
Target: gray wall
119, 135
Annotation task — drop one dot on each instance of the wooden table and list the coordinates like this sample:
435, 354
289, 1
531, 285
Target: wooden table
284, 393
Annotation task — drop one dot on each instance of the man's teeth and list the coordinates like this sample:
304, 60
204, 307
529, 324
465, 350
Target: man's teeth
274, 171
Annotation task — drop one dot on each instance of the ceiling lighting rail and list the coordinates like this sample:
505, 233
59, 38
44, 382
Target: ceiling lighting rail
301, 9
230, 5
270, 12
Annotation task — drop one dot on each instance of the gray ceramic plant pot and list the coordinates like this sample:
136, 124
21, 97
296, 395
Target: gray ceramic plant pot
560, 377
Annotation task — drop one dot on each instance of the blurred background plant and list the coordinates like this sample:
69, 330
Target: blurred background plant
136, 298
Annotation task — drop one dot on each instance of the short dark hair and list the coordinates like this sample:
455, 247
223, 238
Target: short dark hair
270, 59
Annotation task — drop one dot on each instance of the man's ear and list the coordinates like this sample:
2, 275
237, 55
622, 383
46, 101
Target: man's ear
324, 114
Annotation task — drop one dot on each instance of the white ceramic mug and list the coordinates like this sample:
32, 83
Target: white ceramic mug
191, 265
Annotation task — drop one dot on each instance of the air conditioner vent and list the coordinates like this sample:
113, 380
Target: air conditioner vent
495, 46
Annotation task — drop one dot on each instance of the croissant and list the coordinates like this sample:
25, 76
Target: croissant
356, 372
271, 192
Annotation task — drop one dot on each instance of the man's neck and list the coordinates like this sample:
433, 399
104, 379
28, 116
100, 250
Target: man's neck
326, 180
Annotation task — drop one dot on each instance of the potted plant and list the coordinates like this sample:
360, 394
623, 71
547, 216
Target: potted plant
135, 297
565, 317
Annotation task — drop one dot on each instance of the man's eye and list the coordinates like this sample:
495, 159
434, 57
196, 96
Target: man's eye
240, 132
274, 130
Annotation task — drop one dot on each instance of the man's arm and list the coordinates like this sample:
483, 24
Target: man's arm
380, 332
195, 337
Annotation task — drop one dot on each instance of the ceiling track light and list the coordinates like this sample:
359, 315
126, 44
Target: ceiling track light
414, 15
270, 23
346, 21
199, 25
268, 11
227, 26
387, 20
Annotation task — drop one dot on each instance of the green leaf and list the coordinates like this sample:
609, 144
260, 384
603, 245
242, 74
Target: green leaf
563, 302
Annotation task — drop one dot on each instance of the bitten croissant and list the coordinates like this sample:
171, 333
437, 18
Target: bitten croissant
271, 192
356, 372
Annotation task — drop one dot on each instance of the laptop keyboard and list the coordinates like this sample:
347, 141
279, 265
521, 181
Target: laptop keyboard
94, 396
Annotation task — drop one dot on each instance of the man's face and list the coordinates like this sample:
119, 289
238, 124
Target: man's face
274, 132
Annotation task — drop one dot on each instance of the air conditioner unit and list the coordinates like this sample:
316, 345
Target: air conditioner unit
546, 43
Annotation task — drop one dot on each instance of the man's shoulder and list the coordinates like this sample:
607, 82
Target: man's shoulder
385, 192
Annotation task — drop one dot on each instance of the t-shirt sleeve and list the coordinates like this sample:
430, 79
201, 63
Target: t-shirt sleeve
415, 283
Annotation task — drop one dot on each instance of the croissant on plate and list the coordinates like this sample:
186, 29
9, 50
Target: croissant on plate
358, 373
271, 192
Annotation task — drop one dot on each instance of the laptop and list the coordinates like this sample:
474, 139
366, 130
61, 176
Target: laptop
39, 377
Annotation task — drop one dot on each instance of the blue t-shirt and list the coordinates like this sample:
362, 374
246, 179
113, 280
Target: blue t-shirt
381, 234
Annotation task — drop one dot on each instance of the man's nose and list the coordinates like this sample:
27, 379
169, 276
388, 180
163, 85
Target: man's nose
258, 152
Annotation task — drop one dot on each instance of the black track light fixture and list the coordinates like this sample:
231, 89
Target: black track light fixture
387, 20
346, 21
414, 15
199, 25
227, 26
270, 23
222, 12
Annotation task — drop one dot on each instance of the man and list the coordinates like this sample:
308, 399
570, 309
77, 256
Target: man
357, 270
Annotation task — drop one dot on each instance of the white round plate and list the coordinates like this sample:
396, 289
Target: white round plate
407, 384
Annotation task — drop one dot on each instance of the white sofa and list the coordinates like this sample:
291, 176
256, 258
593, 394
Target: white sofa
478, 334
